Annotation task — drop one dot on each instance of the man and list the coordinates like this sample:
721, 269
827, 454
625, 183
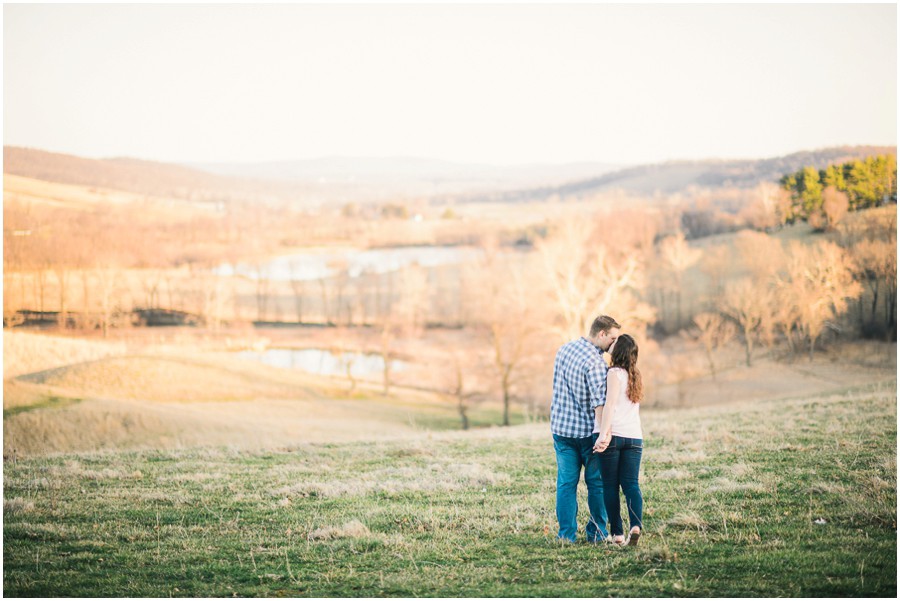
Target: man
579, 393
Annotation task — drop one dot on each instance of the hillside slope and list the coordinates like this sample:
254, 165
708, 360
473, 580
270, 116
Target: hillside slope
679, 176
136, 176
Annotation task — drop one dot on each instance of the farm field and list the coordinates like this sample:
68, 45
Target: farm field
786, 497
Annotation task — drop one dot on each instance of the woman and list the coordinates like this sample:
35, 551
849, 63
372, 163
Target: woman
620, 440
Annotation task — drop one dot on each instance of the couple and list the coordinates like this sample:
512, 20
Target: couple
596, 425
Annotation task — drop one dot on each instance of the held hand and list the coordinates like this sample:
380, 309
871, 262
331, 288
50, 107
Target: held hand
602, 443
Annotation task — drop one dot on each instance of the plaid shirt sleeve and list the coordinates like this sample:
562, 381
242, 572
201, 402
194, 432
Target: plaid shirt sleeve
579, 387
596, 378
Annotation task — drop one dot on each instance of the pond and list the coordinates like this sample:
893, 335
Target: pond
316, 264
324, 362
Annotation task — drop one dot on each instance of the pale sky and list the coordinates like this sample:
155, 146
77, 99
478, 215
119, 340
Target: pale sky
502, 84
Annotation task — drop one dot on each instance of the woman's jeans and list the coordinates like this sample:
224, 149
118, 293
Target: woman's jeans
620, 464
571, 455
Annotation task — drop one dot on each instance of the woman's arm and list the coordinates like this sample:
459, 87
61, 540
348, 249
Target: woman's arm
613, 392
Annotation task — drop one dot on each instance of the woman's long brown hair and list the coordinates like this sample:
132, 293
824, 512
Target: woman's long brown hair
625, 355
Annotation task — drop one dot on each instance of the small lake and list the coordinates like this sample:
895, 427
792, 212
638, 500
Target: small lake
323, 263
322, 362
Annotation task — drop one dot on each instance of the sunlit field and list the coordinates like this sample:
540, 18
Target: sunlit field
216, 395
284, 286
787, 497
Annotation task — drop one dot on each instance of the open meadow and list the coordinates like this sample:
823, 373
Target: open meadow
138, 469
783, 497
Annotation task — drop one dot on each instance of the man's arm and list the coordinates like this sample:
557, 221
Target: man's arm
596, 379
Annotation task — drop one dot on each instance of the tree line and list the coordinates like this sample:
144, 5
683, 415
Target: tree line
821, 196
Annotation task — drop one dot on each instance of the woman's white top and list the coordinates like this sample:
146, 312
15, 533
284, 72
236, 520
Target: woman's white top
626, 421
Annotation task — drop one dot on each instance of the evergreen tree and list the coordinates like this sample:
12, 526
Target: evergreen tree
867, 183
810, 190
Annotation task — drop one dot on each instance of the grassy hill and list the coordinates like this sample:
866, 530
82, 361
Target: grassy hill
679, 176
791, 497
64, 394
139, 177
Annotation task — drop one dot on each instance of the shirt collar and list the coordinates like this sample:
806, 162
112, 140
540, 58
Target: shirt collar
591, 344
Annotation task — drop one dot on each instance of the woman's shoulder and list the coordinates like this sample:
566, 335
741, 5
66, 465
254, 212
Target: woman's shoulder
619, 372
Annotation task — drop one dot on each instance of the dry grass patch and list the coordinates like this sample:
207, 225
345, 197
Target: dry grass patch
17, 505
689, 520
727, 486
261, 424
672, 474
826, 488
197, 477
739, 470
157, 379
353, 529
25, 352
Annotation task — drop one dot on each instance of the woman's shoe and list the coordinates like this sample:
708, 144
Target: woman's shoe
634, 536
618, 540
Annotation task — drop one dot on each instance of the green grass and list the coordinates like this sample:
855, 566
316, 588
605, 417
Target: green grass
47, 402
732, 495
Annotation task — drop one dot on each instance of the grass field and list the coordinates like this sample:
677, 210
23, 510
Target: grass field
775, 498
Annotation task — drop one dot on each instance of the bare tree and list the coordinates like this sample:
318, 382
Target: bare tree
714, 332
263, 288
835, 205
717, 263
819, 279
749, 305
213, 293
583, 278
877, 264
403, 317
785, 314
460, 383
760, 256
677, 257
109, 280
769, 207
342, 345
502, 286
298, 287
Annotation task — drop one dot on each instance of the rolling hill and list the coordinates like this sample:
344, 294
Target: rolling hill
129, 175
310, 182
341, 180
679, 176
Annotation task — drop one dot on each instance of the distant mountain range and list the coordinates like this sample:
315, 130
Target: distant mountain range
341, 180
361, 169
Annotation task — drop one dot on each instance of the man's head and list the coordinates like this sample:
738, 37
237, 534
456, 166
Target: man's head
604, 332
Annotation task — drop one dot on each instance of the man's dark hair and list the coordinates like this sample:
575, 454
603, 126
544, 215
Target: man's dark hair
603, 323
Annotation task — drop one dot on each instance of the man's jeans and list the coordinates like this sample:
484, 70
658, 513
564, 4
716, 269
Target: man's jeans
620, 464
571, 455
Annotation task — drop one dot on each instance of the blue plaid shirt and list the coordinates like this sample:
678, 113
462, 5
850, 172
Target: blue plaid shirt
579, 387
